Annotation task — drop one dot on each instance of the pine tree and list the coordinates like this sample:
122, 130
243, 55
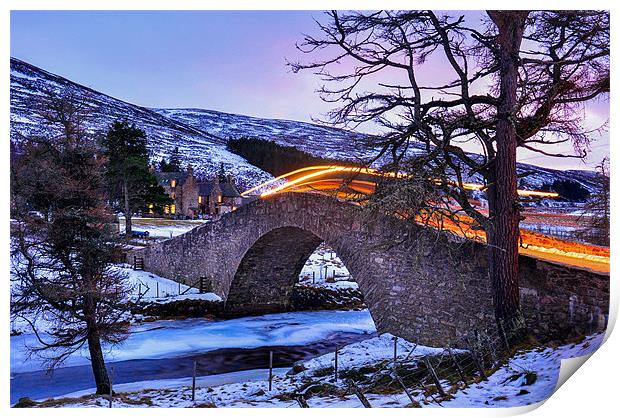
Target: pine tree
174, 164
132, 186
61, 248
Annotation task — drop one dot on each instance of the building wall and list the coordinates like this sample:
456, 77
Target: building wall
189, 197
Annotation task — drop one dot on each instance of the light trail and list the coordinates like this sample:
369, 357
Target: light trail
283, 176
320, 170
324, 178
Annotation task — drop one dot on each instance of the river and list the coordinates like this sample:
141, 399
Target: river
168, 349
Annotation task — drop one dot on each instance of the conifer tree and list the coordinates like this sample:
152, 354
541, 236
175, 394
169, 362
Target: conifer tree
132, 185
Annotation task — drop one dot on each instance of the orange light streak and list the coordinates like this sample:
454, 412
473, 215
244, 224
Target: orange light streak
268, 182
371, 171
537, 245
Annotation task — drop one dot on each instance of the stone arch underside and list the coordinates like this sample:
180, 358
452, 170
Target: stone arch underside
417, 283
268, 271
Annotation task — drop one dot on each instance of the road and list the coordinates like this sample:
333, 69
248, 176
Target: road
354, 182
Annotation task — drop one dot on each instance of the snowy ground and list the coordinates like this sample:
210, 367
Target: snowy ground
502, 391
325, 269
151, 287
161, 228
529, 377
145, 286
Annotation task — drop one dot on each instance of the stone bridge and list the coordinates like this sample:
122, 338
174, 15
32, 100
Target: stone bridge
418, 283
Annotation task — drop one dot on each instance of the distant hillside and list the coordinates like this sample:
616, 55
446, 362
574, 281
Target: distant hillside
201, 135
204, 151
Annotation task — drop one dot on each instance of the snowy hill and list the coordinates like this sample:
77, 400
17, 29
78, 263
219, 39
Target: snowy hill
319, 140
201, 134
204, 151
330, 142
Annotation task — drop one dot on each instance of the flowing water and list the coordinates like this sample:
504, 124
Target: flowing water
168, 349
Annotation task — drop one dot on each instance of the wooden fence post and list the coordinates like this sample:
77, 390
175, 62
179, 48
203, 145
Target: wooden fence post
457, 365
360, 395
474, 357
406, 389
270, 369
395, 351
302, 401
336, 365
434, 376
194, 383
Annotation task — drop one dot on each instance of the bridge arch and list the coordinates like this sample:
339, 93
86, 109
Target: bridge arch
417, 283
268, 271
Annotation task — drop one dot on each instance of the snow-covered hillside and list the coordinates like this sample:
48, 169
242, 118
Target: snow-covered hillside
329, 142
201, 134
205, 152
319, 140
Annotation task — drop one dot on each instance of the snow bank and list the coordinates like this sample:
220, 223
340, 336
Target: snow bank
508, 387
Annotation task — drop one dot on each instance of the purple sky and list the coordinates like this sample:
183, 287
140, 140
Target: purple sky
228, 61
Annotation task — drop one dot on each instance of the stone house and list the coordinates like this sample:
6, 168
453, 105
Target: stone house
181, 186
218, 196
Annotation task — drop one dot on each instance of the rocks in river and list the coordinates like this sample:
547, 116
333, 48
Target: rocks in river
303, 298
309, 298
188, 308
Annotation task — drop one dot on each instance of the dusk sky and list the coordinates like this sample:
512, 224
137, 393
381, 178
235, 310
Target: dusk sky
228, 61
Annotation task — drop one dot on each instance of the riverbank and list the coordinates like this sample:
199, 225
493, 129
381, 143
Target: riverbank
529, 377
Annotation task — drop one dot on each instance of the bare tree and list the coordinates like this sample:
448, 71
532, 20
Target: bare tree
62, 244
435, 84
597, 208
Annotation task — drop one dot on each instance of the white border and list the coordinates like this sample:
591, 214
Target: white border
592, 392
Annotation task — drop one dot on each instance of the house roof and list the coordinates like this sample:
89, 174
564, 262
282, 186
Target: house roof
204, 188
164, 179
228, 188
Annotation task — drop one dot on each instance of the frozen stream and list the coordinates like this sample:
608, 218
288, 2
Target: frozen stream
167, 349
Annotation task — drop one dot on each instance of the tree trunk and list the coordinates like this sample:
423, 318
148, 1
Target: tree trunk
100, 372
127, 209
503, 233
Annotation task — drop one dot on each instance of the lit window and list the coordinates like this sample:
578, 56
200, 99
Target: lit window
150, 208
173, 195
199, 199
167, 209
173, 183
172, 209
219, 199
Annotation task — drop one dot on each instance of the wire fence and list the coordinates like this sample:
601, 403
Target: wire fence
422, 378
430, 378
